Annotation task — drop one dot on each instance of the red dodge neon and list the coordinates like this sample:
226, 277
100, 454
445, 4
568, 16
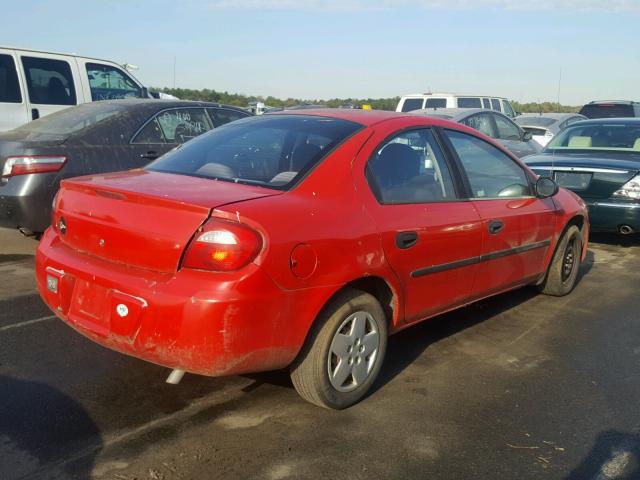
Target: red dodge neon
303, 240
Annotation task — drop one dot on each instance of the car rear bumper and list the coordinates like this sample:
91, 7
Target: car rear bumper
25, 201
202, 322
611, 214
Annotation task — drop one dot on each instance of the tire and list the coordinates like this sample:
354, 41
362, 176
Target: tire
561, 278
338, 380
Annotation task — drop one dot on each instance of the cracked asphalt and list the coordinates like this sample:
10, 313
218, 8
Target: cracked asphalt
517, 386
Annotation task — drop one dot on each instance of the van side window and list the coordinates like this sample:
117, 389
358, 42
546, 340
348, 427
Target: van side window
110, 83
412, 104
436, 103
508, 111
49, 81
469, 102
495, 104
9, 86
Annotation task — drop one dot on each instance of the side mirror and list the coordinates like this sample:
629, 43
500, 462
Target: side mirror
546, 187
526, 136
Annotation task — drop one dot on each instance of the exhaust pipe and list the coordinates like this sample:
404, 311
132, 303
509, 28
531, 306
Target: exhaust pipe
625, 230
175, 376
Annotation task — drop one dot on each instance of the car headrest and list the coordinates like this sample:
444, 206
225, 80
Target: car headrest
215, 170
636, 144
580, 142
395, 165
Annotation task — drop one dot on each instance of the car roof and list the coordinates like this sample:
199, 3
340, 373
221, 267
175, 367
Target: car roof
453, 113
363, 117
619, 120
555, 116
157, 104
444, 94
621, 102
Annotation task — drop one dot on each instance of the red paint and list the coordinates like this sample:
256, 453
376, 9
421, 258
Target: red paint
123, 281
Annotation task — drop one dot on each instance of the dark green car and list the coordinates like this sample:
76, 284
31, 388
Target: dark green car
600, 161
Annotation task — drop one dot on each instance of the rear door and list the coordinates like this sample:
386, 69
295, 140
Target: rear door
517, 228
13, 106
52, 83
429, 235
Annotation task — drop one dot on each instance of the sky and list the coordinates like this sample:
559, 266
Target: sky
312, 49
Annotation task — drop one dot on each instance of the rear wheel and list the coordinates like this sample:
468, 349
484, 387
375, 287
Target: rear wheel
343, 352
563, 271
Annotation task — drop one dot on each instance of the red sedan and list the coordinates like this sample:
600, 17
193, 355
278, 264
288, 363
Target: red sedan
303, 240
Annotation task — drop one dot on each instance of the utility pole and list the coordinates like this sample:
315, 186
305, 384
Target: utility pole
174, 72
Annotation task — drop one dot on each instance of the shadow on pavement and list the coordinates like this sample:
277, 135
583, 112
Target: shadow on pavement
614, 455
33, 441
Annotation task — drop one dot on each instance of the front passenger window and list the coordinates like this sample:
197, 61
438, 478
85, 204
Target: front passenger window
491, 172
410, 168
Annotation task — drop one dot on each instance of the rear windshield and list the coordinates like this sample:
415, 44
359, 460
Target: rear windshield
602, 136
272, 151
535, 121
607, 110
72, 119
411, 104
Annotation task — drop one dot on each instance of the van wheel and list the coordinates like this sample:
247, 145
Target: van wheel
343, 353
563, 271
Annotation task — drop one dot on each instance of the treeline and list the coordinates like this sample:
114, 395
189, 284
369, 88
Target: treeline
241, 100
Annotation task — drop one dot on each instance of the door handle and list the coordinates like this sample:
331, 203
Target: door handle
151, 155
35, 114
495, 226
406, 240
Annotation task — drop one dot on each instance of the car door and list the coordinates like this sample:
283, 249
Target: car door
427, 232
517, 226
168, 129
52, 84
13, 106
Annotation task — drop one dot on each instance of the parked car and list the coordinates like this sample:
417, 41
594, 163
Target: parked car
419, 101
611, 109
35, 83
91, 138
493, 124
600, 161
301, 240
544, 126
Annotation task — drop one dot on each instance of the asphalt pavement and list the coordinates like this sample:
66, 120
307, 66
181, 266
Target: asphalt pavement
521, 386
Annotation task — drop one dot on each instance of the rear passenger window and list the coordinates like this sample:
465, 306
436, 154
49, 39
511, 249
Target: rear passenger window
491, 173
110, 83
481, 122
9, 86
182, 124
410, 168
495, 104
49, 82
469, 102
220, 116
411, 104
486, 104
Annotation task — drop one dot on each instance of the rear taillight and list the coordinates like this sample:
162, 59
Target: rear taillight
32, 164
222, 246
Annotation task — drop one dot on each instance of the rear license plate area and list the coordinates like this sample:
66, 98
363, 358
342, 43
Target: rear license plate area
573, 180
89, 307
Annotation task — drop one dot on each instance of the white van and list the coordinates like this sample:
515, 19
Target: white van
419, 101
34, 83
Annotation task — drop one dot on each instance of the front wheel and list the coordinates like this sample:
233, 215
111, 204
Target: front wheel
563, 270
343, 353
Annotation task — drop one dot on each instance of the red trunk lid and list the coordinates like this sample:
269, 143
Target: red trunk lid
140, 218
